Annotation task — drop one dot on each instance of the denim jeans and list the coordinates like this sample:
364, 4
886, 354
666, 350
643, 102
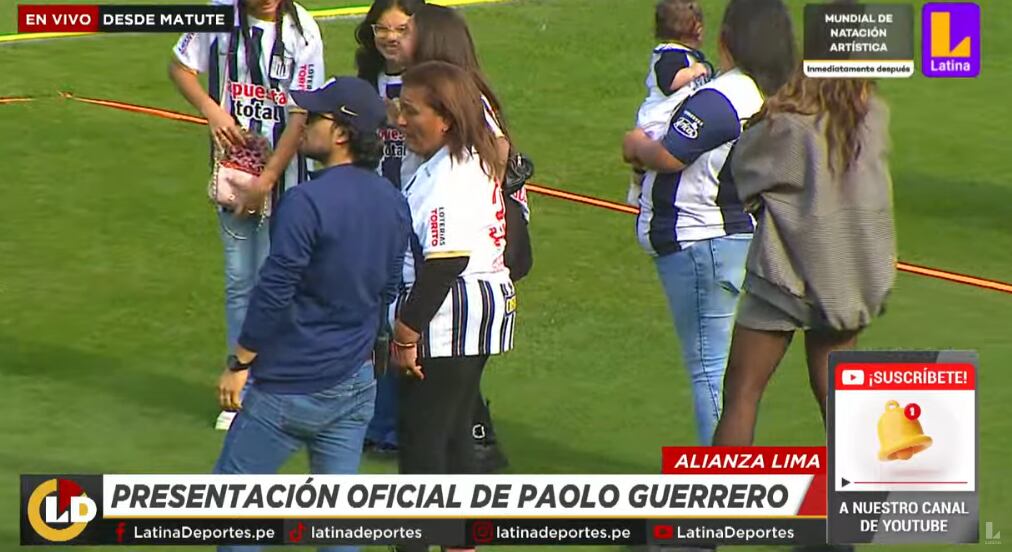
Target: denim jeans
271, 427
702, 284
383, 428
243, 259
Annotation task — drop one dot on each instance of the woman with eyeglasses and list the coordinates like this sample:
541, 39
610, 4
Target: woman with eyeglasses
380, 60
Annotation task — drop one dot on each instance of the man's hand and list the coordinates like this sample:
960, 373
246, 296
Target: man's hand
230, 386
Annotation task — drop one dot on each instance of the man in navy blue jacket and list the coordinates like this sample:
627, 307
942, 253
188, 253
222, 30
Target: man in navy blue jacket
337, 249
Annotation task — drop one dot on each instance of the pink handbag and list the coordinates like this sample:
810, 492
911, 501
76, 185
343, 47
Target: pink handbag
235, 170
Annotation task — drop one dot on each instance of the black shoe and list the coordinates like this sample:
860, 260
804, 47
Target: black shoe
489, 458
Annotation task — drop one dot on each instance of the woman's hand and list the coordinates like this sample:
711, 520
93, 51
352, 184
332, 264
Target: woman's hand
404, 350
224, 130
251, 199
248, 204
630, 145
645, 153
406, 357
754, 206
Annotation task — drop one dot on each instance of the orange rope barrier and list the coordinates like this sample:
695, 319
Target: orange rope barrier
560, 194
157, 112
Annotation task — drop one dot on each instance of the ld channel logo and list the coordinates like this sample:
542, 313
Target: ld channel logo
58, 510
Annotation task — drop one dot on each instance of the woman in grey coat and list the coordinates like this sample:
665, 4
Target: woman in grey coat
812, 167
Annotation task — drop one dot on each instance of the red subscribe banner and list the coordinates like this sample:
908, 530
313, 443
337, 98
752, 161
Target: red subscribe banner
906, 376
124, 19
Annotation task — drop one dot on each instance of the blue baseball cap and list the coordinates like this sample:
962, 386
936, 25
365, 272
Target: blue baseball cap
350, 98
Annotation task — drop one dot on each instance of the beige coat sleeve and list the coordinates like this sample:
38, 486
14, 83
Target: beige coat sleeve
768, 157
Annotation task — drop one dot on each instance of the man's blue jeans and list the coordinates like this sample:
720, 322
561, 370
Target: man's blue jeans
271, 427
702, 284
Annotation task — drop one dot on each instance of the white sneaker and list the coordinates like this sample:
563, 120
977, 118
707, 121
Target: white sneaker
224, 420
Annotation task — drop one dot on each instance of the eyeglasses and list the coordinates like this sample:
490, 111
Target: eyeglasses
388, 32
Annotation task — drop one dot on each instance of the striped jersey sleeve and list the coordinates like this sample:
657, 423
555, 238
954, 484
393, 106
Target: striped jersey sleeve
309, 70
705, 121
193, 50
668, 64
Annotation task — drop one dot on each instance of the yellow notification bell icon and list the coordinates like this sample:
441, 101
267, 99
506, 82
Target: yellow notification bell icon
900, 433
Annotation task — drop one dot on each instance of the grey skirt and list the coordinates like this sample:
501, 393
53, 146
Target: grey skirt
757, 314
767, 306
763, 306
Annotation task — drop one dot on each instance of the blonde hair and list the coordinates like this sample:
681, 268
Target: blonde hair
842, 103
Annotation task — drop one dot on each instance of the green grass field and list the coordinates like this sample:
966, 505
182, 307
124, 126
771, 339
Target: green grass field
111, 323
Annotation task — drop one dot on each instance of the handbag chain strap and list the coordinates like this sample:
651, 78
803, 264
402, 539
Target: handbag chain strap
220, 153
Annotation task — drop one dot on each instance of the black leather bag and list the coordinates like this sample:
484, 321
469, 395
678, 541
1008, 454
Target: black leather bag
519, 169
519, 256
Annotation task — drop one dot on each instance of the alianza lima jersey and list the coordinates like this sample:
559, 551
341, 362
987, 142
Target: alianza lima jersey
661, 101
389, 88
252, 76
457, 210
700, 202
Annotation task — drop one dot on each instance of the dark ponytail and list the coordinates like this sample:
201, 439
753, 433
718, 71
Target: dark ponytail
760, 37
287, 8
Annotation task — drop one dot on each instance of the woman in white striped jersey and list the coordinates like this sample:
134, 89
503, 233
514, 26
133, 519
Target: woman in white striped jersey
458, 305
275, 48
439, 33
